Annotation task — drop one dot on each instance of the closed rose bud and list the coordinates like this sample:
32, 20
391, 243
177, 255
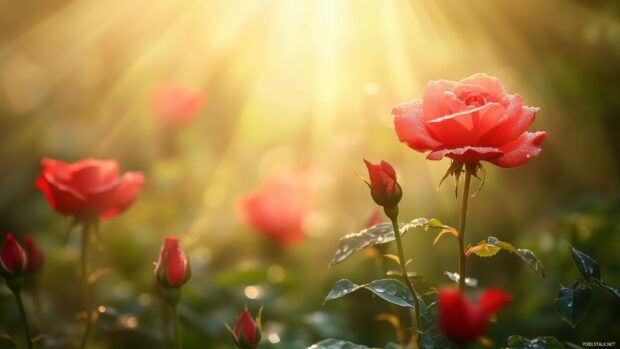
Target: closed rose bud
464, 322
13, 259
247, 331
172, 268
384, 188
34, 253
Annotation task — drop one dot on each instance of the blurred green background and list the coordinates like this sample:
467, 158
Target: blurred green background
304, 83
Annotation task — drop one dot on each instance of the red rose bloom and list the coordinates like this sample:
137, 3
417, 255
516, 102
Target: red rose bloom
469, 121
172, 268
13, 259
34, 253
384, 188
278, 207
175, 105
88, 189
247, 332
464, 322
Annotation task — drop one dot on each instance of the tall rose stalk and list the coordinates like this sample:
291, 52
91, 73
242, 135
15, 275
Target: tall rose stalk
89, 191
13, 265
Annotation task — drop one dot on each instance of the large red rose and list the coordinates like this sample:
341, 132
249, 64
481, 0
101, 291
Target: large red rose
278, 207
175, 105
469, 121
88, 189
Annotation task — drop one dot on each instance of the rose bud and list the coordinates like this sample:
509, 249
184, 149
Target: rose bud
88, 189
13, 259
469, 121
172, 269
247, 331
34, 253
464, 322
384, 188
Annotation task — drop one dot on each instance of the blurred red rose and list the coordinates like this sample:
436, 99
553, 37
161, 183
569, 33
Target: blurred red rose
34, 253
13, 259
464, 322
384, 188
278, 207
172, 268
247, 333
374, 219
88, 189
175, 104
469, 121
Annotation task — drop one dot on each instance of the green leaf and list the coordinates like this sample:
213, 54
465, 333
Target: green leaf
441, 233
530, 258
379, 234
526, 255
613, 290
471, 282
341, 288
483, 249
573, 302
519, 342
433, 341
391, 345
390, 290
587, 265
332, 343
434, 223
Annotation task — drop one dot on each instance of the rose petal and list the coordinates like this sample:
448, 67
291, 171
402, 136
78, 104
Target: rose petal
116, 197
514, 122
410, 127
434, 105
519, 151
462, 128
90, 174
60, 197
491, 87
466, 154
57, 169
491, 300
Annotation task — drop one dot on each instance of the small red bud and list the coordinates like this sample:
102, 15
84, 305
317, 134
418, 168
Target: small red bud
13, 259
384, 188
172, 269
247, 331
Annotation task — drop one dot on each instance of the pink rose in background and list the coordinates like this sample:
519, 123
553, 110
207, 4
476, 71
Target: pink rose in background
469, 121
175, 105
278, 206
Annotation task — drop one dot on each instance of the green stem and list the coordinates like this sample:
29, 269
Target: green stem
22, 311
86, 288
392, 213
177, 326
165, 325
462, 257
90, 320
